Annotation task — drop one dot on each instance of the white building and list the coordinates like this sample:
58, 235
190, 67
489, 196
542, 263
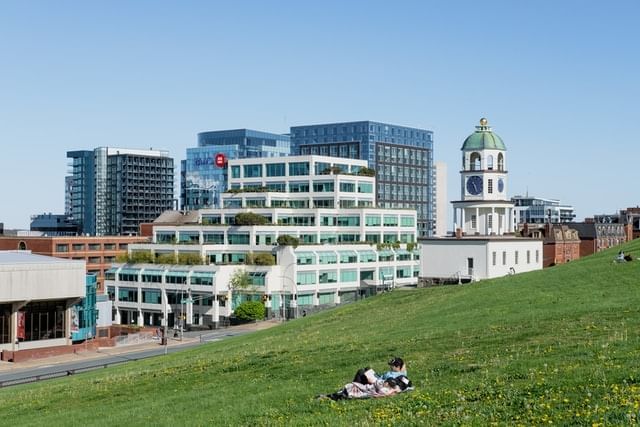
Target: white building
485, 244
441, 200
347, 246
538, 210
36, 296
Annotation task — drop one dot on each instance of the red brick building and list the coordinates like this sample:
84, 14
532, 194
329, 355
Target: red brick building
561, 244
98, 252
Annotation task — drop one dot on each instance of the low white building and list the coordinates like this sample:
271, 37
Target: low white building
36, 296
485, 244
346, 246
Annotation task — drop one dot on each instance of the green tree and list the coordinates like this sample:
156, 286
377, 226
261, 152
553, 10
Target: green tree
166, 259
367, 172
240, 280
250, 310
287, 240
190, 259
141, 257
250, 218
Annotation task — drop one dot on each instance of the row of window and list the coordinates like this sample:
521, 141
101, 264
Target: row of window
304, 187
240, 238
77, 247
351, 276
516, 257
349, 257
289, 169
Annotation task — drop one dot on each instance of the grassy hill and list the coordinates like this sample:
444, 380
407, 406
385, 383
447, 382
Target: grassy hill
556, 346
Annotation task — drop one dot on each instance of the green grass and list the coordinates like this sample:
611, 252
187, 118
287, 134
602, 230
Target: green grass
556, 346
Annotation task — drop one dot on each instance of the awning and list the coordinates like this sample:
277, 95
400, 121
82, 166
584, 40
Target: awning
177, 273
129, 271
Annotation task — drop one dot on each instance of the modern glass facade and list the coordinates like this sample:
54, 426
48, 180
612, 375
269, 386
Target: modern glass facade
115, 190
401, 156
202, 182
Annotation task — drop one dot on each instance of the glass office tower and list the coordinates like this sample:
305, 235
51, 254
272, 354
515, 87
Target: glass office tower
114, 190
202, 181
401, 156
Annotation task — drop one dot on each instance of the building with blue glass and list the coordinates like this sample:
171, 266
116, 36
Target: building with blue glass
202, 181
401, 156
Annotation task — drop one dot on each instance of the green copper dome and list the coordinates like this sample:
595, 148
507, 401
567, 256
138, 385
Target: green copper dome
483, 139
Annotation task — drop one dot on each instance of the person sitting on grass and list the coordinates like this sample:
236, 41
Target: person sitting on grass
369, 376
356, 390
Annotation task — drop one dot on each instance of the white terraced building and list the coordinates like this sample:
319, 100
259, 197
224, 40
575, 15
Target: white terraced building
347, 247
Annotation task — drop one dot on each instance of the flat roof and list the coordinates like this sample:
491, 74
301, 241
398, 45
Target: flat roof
26, 257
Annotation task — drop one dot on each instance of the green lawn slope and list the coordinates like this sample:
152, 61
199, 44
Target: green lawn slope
559, 346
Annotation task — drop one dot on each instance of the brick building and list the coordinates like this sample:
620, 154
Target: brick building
98, 252
596, 237
561, 244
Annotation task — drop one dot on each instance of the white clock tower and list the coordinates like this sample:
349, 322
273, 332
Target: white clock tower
484, 208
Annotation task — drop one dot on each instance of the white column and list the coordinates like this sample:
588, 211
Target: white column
463, 224
477, 219
493, 220
337, 297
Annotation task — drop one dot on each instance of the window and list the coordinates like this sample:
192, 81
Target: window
252, 171
528, 257
348, 187
238, 238
537, 256
127, 295
516, 257
365, 187
474, 222
276, 169
62, 247
322, 168
280, 187
327, 258
235, 171
372, 220
306, 258
298, 168
151, 297
390, 220
348, 276
407, 221
490, 186
493, 257
323, 187
372, 238
152, 276
78, 247
323, 203
348, 221
504, 258
298, 187
213, 238
347, 257
306, 278
368, 256
490, 221
328, 276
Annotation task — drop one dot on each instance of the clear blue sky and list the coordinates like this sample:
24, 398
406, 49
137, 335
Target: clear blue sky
558, 81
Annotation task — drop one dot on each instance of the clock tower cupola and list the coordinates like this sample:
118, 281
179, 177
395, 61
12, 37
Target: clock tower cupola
484, 206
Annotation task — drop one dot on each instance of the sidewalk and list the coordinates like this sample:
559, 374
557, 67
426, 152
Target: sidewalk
102, 352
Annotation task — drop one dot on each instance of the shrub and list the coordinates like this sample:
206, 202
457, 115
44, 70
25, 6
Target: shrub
367, 172
250, 218
287, 240
141, 257
166, 259
250, 310
261, 258
190, 259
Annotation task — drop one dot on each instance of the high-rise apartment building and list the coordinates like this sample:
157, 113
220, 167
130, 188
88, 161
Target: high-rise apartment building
114, 190
202, 181
401, 156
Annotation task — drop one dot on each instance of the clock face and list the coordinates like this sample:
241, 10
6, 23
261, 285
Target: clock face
500, 185
474, 185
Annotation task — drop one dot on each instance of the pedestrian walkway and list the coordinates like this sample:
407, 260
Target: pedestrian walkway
188, 338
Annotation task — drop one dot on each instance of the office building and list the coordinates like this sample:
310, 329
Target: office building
440, 217
114, 190
54, 225
537, 210
314, 239
203, 174
36, 298
401, 156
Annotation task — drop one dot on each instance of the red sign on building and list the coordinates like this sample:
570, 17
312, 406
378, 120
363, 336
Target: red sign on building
21, 334
221, 160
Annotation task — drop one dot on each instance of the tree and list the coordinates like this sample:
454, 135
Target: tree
240, 280
250, 310
261, 258
250, 218
189, 259
140, 257
287, 240
366, 172
166, 259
